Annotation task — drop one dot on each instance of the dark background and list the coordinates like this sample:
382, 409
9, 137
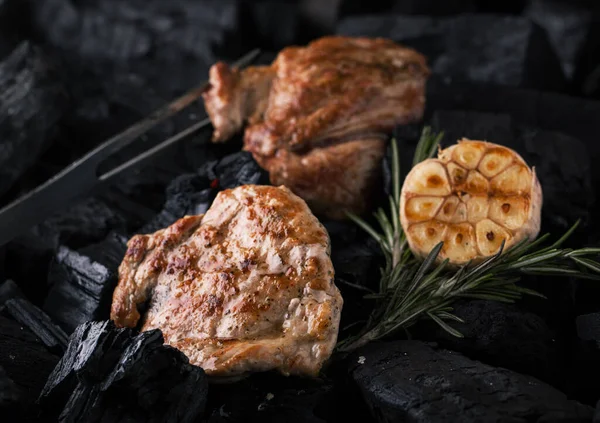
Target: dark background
523, 73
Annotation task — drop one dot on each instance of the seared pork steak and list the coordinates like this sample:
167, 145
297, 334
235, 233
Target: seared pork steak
246, 287
318, 114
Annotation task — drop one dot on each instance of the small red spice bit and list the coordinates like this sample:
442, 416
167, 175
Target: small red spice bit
214, 183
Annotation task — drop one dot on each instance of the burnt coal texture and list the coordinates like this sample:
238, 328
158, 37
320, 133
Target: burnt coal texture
27, 363
193, 193
498, 49
27, 258
429, 7
82, 282
501, 335
29, 83
269, 398
584, 366
74, 72
567, 25
414, 382
117, 375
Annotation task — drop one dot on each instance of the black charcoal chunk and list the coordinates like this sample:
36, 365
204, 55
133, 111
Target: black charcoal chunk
8, 291
567, 25
10, 394
584, 365
430, 7
82, 282
499, 49
37, 322
588, 327
32, 101
188, 194
268, 397
413, 382
119, 375
13, 20
28, 257
192, 194
235, 170
501, 335
269, 33
25, 359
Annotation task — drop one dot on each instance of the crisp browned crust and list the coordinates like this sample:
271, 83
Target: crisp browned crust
335, 90
246, 287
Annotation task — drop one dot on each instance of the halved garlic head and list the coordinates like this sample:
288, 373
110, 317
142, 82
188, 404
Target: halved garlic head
472, 197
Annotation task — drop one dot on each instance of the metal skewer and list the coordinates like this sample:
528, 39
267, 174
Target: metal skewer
80, 177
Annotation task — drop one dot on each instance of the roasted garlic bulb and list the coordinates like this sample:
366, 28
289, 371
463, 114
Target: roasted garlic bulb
475, 195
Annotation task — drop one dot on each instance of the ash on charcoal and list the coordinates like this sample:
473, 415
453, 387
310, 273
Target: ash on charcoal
567, 25
26, 362
82, 282
118, 375
497, 49
32, 101
414, 382
501, 335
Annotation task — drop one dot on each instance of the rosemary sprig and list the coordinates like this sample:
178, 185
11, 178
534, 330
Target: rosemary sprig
411, 289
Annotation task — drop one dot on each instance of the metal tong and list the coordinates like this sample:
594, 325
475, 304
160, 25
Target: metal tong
82, 176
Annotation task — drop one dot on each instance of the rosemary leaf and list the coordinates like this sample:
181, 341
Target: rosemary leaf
411, 289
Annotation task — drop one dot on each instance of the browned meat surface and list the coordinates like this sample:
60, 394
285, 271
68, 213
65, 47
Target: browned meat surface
246, 287
316, 115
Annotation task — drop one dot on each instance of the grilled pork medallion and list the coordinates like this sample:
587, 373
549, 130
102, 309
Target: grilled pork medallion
473, 197
318, 114
247, 287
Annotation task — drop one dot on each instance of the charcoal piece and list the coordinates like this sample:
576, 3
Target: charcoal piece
235, 170
268, 397
583, 367
269, 33
82, 282
588, 327
193, 193
188, 194
587, 71
497, 49
110, 374
13, 19
8, 291
10, 393
414, 382
430, 7
28, 257
26, 361
567, 25
32, 100
500, 335
38, 322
